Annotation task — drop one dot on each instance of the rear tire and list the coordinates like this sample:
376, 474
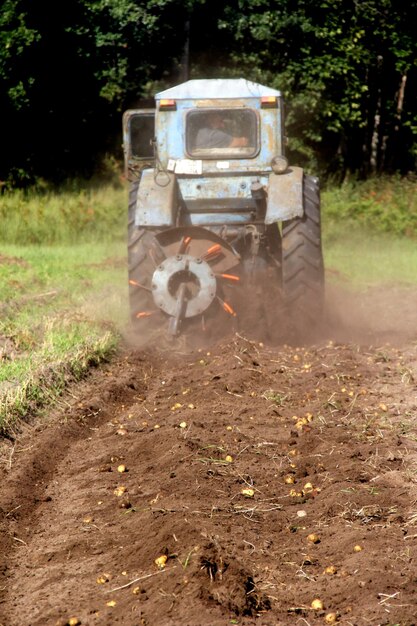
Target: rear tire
143, 256
302, 263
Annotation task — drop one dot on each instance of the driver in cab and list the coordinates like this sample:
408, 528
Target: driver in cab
214, 135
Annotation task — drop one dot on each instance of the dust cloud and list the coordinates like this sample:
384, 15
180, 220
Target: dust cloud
372, 316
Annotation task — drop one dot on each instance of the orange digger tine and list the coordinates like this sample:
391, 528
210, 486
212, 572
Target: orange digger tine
143, 314
212, 252
227, 307
136, 284
184, 244
229, 277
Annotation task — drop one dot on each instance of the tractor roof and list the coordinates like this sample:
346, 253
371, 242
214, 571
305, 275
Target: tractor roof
217, 88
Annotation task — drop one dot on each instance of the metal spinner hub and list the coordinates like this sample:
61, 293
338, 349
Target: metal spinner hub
183, 286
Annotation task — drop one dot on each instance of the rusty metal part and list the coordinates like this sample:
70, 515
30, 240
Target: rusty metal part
285, 196
157, 199
199, 242
181, 305
183, 286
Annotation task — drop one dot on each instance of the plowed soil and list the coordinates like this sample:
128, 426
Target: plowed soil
266, 477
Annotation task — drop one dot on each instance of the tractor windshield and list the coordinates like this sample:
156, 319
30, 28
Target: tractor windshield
220, 133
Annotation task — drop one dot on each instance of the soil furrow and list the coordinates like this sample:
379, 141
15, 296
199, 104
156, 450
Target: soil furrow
232, 485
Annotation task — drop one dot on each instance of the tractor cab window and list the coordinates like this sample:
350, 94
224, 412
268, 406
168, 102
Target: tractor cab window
220, 133
142, 132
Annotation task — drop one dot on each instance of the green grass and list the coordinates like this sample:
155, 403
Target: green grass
363, 258
378, 205
63, 276
370, 231
62, 309
31, 382
71, 215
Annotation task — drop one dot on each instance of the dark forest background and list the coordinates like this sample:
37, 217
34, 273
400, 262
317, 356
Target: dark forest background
68, 69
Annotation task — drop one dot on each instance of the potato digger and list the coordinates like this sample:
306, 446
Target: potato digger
219, 222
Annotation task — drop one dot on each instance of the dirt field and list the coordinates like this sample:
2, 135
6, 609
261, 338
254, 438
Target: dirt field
278, 484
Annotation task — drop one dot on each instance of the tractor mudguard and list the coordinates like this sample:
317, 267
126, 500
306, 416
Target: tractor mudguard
285, 196
157, 199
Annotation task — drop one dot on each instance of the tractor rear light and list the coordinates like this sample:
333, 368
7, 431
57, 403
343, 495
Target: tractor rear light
269, 102
167, 105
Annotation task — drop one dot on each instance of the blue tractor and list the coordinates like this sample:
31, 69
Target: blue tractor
220, 225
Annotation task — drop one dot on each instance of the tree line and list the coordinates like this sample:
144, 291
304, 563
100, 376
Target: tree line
347, 68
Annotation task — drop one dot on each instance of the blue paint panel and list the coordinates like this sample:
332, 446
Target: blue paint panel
218, 193
157, 202
233, 187
170, 131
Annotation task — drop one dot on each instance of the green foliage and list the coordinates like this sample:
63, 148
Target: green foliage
77, 212
370, 231
41, 379
384, 205
69, 215
348, 70
340, 64
16, 39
